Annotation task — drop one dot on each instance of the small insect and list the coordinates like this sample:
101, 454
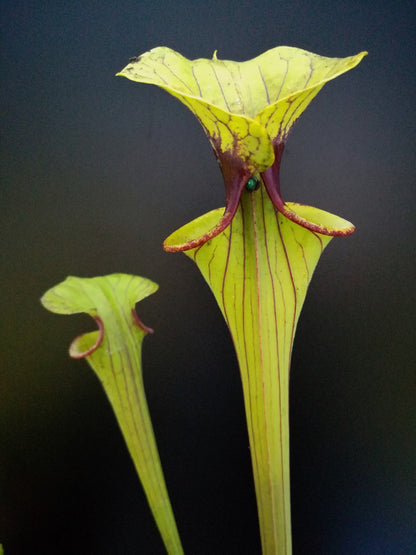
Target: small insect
252, 184
134, 59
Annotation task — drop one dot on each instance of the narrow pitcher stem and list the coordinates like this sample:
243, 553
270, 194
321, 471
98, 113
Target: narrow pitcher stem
265, 371
269, 444
128, 399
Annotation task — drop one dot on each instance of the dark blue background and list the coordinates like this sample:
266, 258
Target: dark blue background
96, 172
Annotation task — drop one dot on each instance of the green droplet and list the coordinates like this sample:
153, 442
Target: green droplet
252, 184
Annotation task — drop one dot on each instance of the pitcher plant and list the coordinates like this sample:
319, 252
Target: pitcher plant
258, 253
114, 353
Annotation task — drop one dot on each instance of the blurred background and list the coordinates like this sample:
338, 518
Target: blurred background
96, 172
